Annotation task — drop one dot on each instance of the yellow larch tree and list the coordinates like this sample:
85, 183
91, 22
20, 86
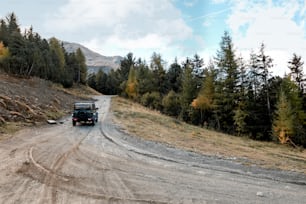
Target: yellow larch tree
131, 85
4, 51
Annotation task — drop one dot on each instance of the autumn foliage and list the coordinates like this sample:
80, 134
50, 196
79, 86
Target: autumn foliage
283, 123
4, 52
131, 86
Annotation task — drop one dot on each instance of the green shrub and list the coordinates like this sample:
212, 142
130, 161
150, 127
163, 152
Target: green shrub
151, 100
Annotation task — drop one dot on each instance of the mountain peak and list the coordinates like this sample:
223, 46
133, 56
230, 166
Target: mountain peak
94, 60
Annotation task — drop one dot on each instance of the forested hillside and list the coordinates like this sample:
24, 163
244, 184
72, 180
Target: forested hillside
27, 54
228, 94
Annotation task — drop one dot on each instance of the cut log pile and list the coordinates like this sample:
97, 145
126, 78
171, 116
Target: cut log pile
14, 109
33, 100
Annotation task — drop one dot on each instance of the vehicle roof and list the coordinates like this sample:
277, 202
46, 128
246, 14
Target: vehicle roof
84, 102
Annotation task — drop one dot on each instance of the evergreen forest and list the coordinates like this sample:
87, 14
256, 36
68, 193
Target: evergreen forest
27, 54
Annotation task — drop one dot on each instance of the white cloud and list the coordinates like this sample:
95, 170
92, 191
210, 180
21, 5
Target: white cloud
272, 24
190, 3
81, 13
142, 47
112, 26
218, 1
150, 41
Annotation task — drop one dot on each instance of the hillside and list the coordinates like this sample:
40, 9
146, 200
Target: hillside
25, 102
94, 61
160, 128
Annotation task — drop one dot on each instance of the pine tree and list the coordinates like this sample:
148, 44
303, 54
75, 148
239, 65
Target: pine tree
49, 64
145, 79
174, 77
13, 26
264, 63
113, 83
123, 71
100, 82
157, 67
4, 34
82, 68
296, 67
227, 85
240, 115
126, 63
171, 104
253, 77
58, 57
92, 81
31, 53
252, 106
259, 87
241, 112
16, 44
188, 92
197, 66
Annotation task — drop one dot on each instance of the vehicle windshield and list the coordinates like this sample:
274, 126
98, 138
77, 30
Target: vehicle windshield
83, 106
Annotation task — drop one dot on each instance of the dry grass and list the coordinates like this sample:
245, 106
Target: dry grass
9, 128
151, 125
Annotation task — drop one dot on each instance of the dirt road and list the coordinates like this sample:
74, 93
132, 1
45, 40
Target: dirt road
84, 164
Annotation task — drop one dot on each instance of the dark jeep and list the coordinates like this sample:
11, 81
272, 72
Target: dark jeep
85, 112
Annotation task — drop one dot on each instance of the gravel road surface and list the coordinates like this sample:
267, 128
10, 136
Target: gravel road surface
101, 164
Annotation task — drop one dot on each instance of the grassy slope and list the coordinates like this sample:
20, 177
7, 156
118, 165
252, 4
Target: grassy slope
151, 125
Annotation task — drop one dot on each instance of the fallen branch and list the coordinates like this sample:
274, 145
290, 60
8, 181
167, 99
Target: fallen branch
17, 114
2, 121
3, 104
25, 106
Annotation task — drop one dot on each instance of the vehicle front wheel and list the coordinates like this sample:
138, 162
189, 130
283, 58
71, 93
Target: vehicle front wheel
73, 123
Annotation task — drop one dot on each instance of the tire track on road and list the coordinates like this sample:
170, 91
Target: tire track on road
51, 178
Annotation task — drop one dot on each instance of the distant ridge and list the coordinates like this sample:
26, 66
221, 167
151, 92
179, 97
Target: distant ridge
94, 61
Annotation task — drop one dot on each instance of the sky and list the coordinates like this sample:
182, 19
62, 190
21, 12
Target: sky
171, 28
